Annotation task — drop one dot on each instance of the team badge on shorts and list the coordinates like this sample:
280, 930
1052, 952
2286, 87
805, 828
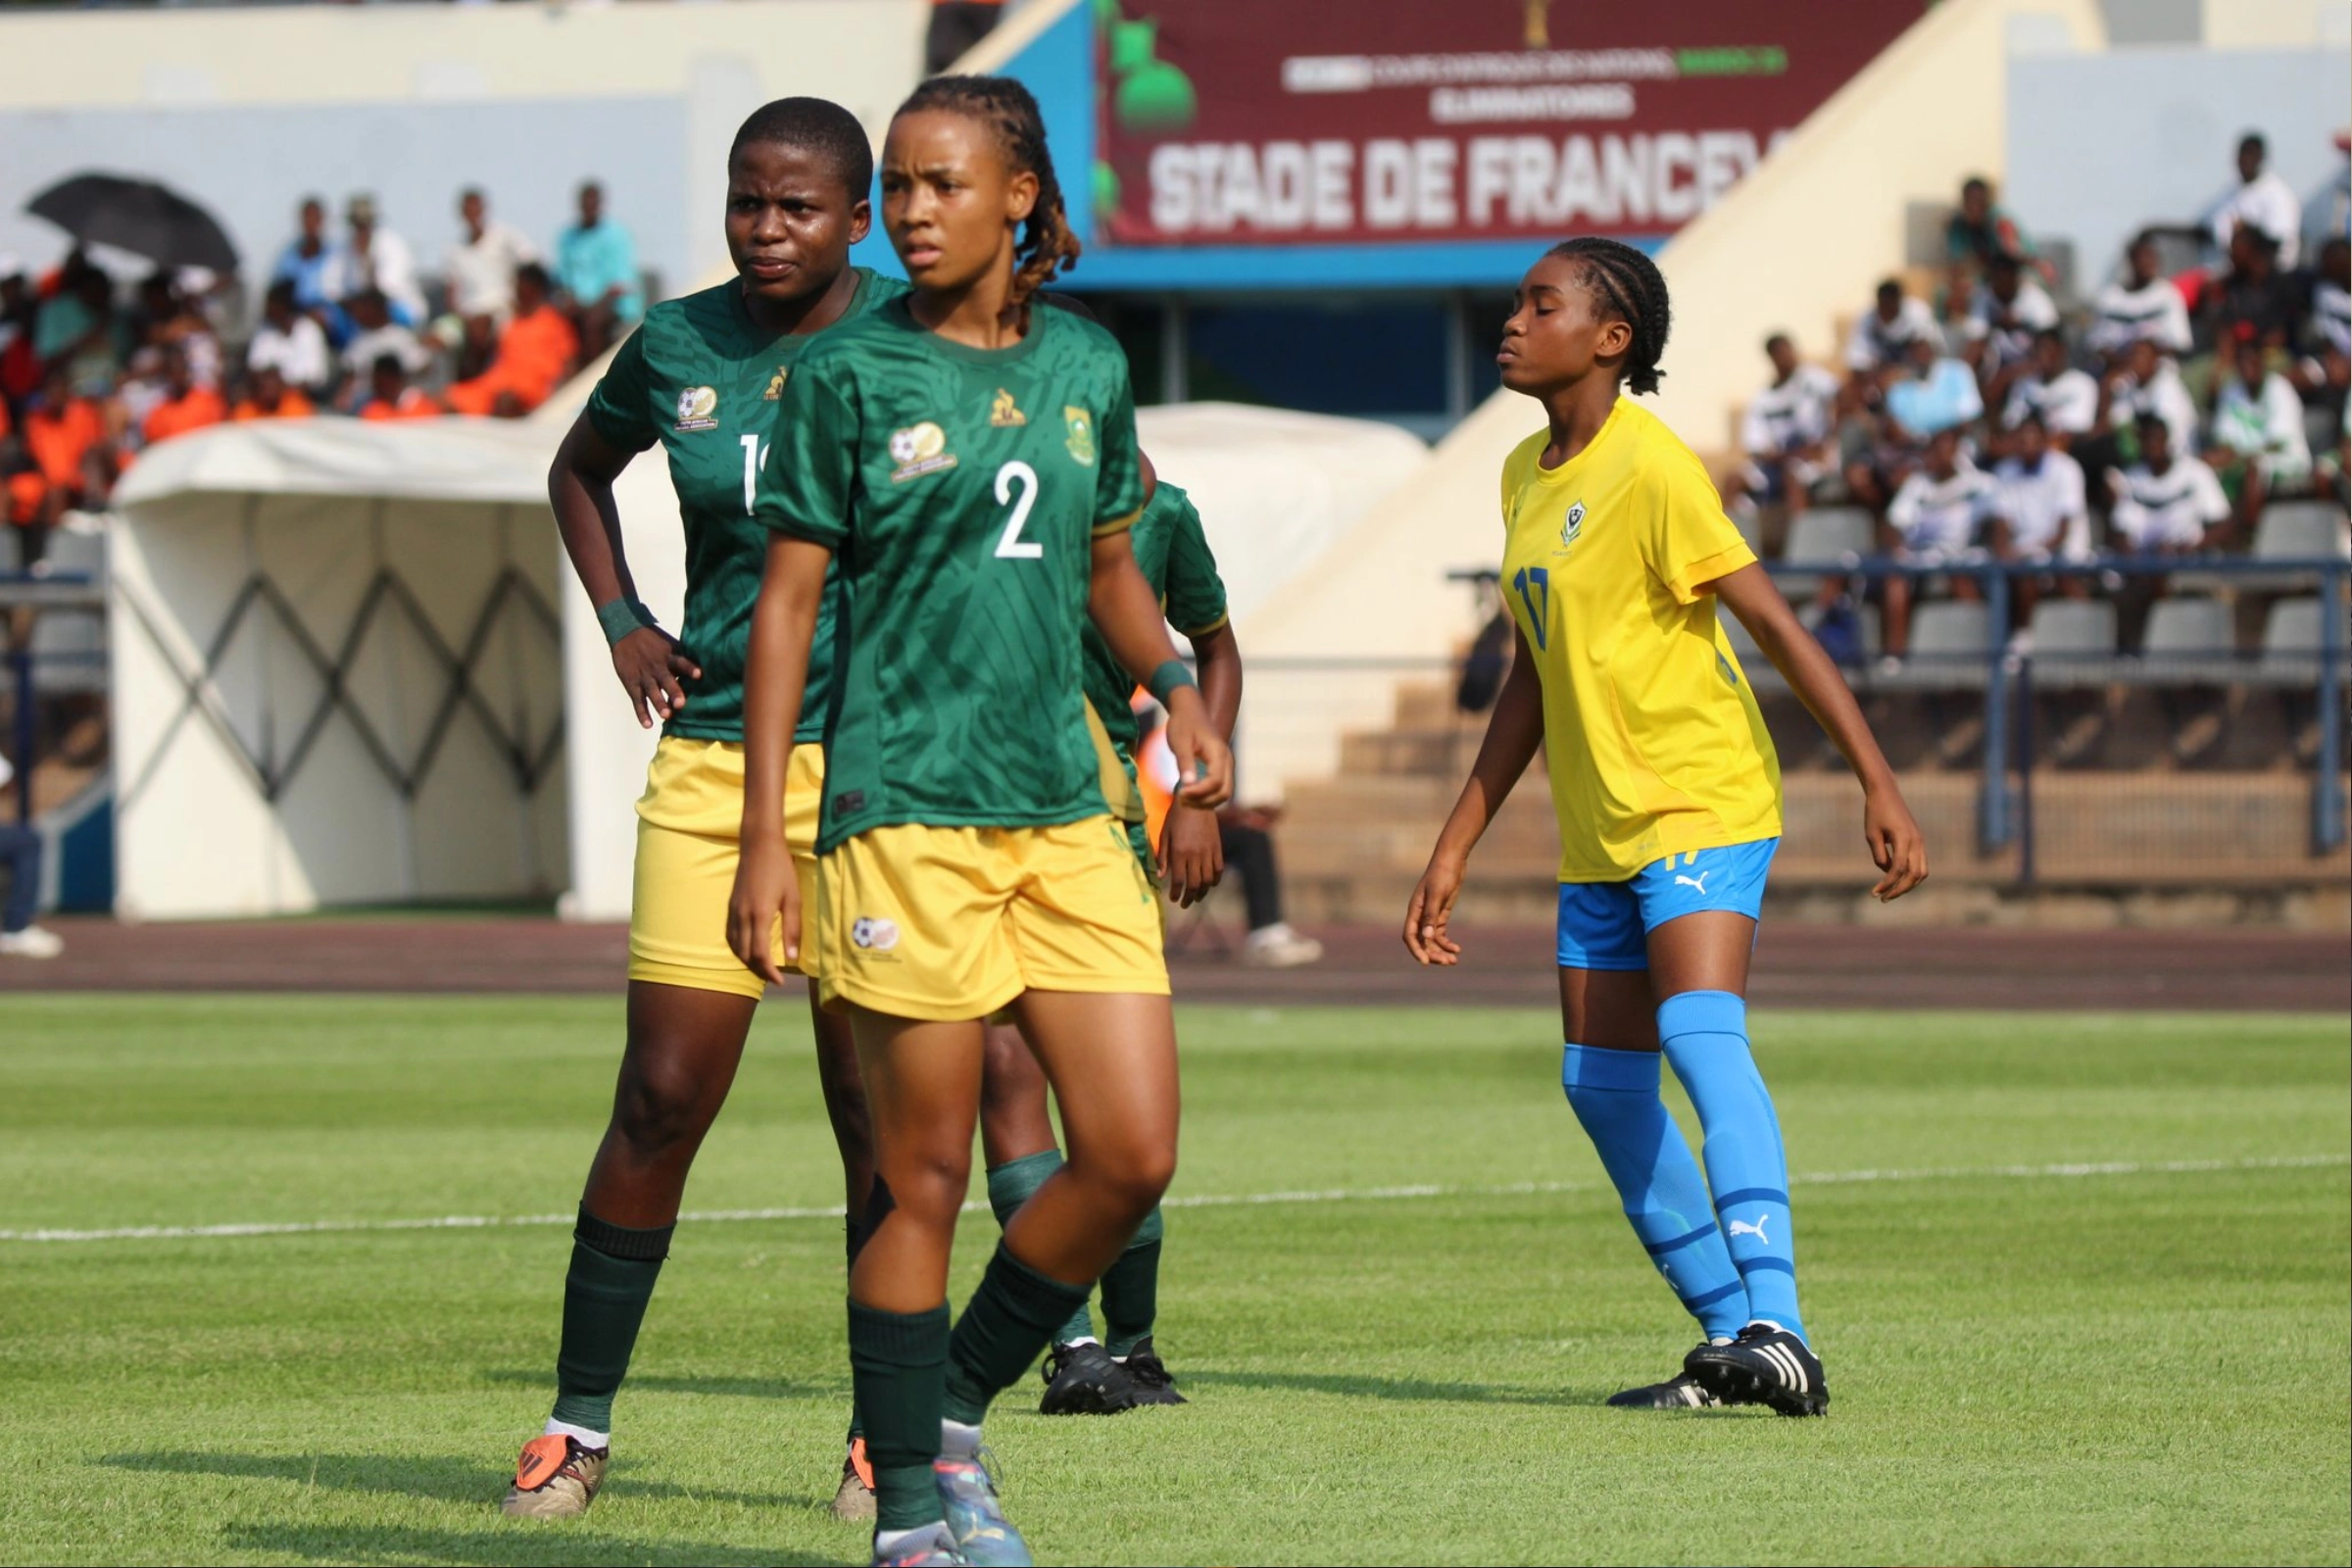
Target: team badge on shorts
696, 408
1574, 526
918, 450
1081, 439
872, 934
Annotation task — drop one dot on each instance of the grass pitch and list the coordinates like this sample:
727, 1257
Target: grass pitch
2080, 1283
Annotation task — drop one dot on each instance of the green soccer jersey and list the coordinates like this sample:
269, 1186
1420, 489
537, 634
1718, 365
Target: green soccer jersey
960, 490
1177, 563
698, 377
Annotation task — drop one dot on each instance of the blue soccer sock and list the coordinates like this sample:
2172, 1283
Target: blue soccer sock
1705, 1037
1615, 1095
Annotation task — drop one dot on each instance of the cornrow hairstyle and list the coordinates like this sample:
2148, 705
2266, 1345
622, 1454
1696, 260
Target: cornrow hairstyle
1047, 247
1628, 285
818, 125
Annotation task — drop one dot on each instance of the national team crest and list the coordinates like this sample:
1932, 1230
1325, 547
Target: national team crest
1081, 437
1574, 526
698, 408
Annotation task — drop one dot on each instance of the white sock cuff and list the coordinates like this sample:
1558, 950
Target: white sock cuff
584, 1436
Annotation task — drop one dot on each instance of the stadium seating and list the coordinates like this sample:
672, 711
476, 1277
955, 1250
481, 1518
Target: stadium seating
1828, 536
2073, 643
2291, 641
1949, 644
2190, 643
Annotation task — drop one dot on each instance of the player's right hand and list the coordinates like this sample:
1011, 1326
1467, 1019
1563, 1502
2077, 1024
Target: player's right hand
651, 663
765, 892
1425, 917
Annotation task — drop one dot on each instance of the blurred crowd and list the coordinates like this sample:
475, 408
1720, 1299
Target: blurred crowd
350, 323
1981, 412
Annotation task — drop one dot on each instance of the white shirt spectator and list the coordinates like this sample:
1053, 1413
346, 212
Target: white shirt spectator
2045, 508
2168, 511
2123, 315
362, 352
481, 272
2164, 396
1938, 518
2268, 203
1793, 414
1878, 343
2331, 316
2068, 403
299, 353
389, 264
2267, 424
2009, 329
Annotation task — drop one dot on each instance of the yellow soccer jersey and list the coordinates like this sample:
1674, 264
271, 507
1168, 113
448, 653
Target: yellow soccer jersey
1652, 738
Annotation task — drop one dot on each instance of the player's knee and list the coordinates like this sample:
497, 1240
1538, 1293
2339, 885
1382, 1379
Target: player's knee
660, 1108
930, 1185
1130, 1179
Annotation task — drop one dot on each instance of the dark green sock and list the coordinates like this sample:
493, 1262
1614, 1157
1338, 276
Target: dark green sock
613, 1273
850, 1230
896, 1361
1131, 1289
1010, 1317
1009, 1185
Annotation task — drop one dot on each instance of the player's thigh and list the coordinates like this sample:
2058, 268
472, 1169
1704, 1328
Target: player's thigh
1111, 1059
1699, 910
922, 1095
688, 826
1611, 1009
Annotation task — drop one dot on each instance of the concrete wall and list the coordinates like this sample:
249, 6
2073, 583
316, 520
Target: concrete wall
2152, 133
711, 64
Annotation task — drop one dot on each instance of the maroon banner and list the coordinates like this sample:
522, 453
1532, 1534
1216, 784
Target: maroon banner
1289, 122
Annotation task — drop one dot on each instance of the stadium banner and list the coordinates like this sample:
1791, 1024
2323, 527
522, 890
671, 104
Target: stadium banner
1248, 123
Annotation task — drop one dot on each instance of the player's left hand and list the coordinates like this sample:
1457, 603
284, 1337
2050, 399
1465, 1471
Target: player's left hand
1203, 761
1896, 846
1191, 855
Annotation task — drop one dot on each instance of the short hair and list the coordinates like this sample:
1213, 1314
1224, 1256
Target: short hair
1773, 339
282, 290
2033, 417
2151, 419
813, 124
2255, 140
2051, 335
472, 193
387, 362
1976, 183
1890, 285
536, 273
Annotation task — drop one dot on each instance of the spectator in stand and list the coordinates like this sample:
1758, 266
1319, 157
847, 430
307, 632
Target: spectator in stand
2147, 383
1882, 338
377, 335
20, 853
482, 281
2254, 294
64, 441
270, 397
596, 261
2166, 504
1978, 233
2257, 443
144, 389
2007, 310
2262, 201
188, 407
2144, 303
1939, 393
20, 365
79, 326
538, 348
390, 397
2062, 400
2323, 375
166, 319
2040, 512
1933, 520
374, 257
290, 343
1787, 430
305, 261
955, 27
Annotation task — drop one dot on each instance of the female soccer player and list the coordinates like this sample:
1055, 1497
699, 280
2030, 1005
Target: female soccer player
702, 376
973, 464
1615, 556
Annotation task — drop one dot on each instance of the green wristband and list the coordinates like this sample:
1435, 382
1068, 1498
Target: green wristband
1169, 679
622, 616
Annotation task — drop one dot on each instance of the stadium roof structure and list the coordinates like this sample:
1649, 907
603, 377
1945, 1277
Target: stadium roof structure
427, 460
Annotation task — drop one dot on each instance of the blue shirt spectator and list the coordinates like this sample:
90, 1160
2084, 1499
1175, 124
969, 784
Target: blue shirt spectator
305, 261
1941, 392
596, 264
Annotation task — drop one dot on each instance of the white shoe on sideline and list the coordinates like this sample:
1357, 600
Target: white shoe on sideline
1278, 947
30, 943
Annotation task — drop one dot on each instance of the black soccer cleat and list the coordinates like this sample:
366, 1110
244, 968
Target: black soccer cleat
1764, 1365
1149, 1376
1082, 1380
1679, 1393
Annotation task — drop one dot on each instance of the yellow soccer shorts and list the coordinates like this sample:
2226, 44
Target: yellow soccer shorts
955, 922
689, 822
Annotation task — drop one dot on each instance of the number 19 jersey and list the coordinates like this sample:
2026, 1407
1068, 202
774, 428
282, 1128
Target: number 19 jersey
960, 490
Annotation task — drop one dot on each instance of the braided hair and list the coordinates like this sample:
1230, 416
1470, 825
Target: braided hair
1047, 247
1626, 284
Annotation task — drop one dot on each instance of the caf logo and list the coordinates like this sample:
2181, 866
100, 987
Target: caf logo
696, 407
1574, 526
918, 450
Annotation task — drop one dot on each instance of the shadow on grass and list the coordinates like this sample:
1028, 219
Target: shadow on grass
738, 1387
533, 1541
442, 1479
1411, 1389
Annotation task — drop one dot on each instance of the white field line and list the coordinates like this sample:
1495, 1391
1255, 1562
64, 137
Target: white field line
1334, 1195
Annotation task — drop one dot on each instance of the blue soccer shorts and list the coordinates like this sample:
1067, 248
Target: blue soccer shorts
1607, 926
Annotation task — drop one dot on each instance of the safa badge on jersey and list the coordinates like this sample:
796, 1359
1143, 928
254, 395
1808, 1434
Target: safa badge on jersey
1079, 423
698, 408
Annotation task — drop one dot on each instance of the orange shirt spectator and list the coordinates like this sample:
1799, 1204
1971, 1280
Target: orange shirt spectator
191, 409
410, 404
534, 353
271, 399
60, 437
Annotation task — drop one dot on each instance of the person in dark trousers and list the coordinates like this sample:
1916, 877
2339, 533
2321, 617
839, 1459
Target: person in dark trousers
1250, 856
21, 854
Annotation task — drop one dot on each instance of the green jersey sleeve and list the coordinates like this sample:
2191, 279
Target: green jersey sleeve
1120, 479
1193, 593
620, 410
816, 452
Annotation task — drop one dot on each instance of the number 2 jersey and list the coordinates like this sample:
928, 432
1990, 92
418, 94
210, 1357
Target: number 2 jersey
961, 491
706, 384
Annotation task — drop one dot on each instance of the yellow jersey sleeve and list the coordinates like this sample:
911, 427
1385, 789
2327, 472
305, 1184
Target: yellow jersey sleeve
1690, 542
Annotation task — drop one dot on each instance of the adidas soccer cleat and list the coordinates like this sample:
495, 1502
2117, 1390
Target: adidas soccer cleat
1764, 1365
967, 1493
854, 1498
1679, 1393
557, 1478
935, 1548
1147, 1378
1082, 1380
